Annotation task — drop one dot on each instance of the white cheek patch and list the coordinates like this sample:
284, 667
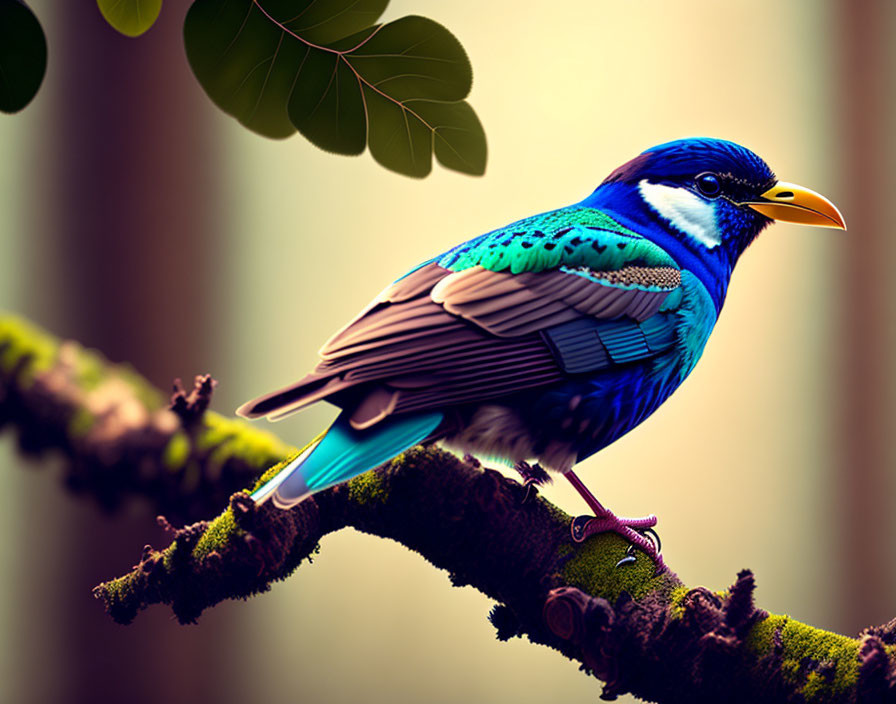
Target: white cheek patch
684, 210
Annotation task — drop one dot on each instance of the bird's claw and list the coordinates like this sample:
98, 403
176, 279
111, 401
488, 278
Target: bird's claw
637, 531
629, 557
531, 488
578, 526
653, 537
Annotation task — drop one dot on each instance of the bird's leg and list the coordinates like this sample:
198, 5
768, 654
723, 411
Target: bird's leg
637, 531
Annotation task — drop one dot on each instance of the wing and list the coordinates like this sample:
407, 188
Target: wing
439, 337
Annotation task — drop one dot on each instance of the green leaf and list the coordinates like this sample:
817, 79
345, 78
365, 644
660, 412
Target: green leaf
319, 67
398, 140
325, 21
458, 138
23, 55
244, 62
327, 106
130, 17
414, 58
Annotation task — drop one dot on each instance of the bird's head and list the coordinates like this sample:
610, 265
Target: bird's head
705, 200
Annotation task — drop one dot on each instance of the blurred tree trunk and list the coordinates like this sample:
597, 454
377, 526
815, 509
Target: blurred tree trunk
124, 259
866, 462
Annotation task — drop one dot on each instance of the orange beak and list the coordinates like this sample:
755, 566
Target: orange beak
788, 202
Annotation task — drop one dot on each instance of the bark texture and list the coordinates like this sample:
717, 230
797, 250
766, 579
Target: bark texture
637, 630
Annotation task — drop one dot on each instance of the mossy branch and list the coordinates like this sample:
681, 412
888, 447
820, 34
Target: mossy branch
638, 631
121, 436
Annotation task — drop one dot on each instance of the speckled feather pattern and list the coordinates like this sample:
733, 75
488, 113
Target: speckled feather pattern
571, 237
645, 278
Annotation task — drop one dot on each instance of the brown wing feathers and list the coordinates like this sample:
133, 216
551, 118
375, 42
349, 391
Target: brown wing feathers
436, 338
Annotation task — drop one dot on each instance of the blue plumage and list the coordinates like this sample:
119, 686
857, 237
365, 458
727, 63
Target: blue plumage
338, 454
552, 337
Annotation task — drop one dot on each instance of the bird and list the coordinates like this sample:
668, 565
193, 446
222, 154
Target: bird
550, 338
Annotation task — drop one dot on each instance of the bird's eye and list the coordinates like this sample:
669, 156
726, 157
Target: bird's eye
708, 184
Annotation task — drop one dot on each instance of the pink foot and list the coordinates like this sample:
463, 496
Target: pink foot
637, 531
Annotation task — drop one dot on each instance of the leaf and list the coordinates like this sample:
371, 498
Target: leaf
23, 55
320, 68
130, 17
458, 137
398, 140
243, 63
403, 137
327, 106
414, 58
326, 21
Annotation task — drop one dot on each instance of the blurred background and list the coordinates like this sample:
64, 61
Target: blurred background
137, 218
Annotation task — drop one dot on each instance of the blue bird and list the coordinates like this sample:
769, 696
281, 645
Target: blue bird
550, 338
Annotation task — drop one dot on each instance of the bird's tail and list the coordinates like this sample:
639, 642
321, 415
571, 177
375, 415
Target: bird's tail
342, 453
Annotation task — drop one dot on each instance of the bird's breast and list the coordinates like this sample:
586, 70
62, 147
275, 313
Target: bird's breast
617, 375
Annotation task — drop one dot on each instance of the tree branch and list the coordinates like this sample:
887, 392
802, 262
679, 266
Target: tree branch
636, 630
117, 432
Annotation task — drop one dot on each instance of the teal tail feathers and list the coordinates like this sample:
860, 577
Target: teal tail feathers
343, 453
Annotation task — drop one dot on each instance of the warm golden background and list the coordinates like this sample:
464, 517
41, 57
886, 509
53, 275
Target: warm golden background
136, 217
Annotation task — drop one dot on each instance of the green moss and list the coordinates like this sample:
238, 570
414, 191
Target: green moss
18, 340
256, 447
216, 431
815, 686
116, 589
563, 550
91, 369
168, 556
219, 533
176, 451
676, 597
760, 638
593, 569
790, 668
369, 487
80, 423
801, 641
